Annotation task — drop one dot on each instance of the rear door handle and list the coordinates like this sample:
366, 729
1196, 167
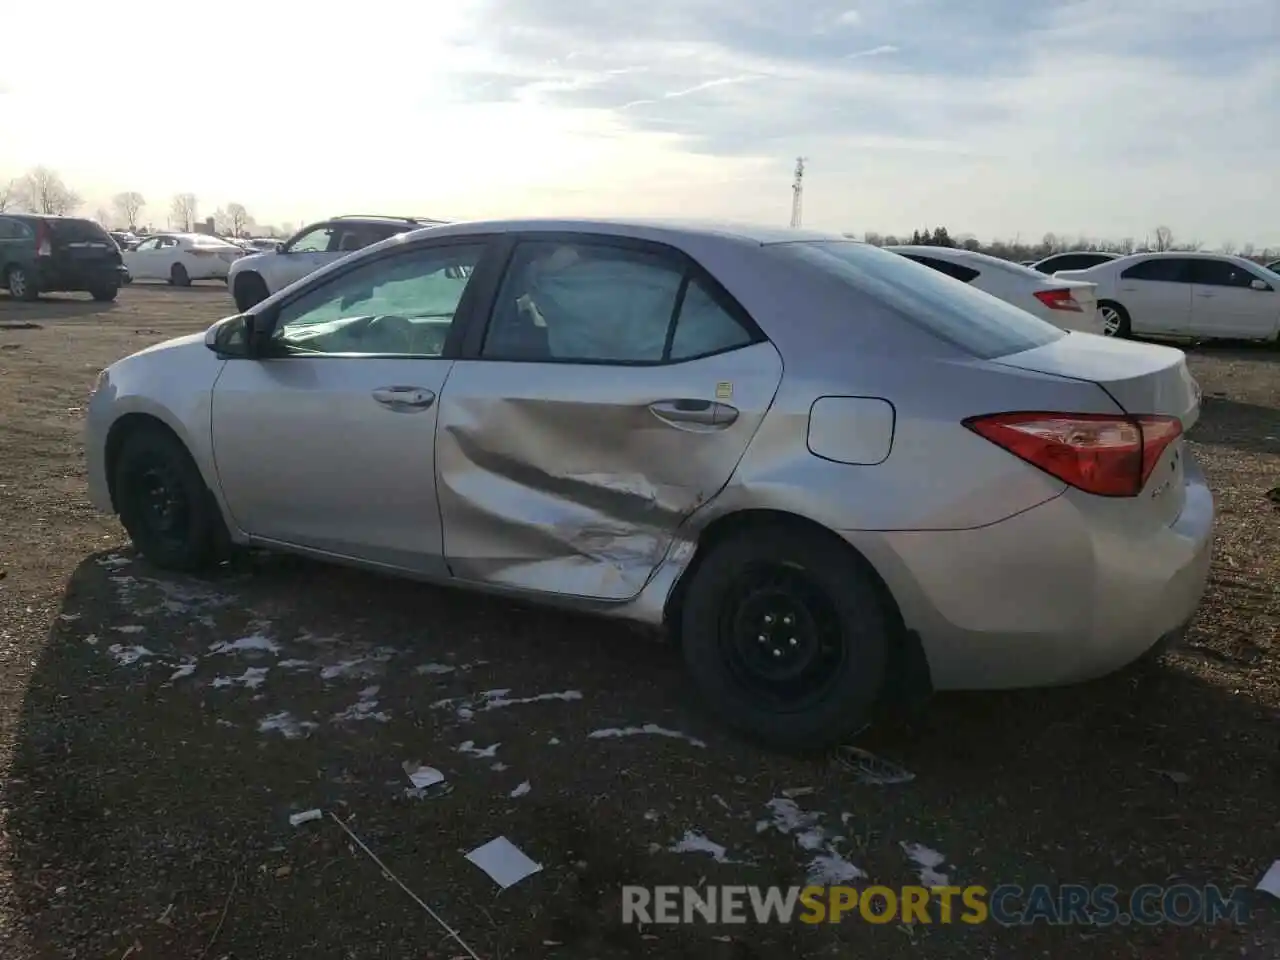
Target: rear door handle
703, 413
404, 398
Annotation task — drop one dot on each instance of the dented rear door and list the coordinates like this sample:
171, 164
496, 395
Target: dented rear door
569, 477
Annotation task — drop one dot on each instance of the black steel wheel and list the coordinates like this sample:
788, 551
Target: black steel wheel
786, 635
164, 504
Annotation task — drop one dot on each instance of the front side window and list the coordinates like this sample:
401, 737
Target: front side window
313, 241
145, 245
1160, 270
597, 303
1222, 273
397, 305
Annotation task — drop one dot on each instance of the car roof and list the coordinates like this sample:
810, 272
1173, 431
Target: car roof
1106, 254
640, 228
1183, 254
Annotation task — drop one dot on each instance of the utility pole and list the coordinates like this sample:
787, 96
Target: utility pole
797, 193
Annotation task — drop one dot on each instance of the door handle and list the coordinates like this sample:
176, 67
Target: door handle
701, 413
1206, 294
404, 398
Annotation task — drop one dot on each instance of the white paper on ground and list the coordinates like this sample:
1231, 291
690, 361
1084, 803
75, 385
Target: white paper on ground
306, 816
1270, 882
503, 861
422, 776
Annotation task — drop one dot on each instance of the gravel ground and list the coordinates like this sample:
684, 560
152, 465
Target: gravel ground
157, 733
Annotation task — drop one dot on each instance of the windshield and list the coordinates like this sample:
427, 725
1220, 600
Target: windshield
202, 240
975, 322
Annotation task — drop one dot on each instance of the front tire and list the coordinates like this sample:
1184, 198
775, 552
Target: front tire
785, 634
178, 276
164, 504
249, 290
22, 286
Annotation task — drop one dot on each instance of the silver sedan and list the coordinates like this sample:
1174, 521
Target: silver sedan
832, 474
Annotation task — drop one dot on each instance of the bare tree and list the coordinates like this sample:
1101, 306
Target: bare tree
129, 205
1245, 251
873, 238
1164, 240
182, 211
234, 220
42, 191
1050, 243
8, 194
103, 217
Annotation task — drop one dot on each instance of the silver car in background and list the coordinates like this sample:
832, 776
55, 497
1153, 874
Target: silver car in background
828, 471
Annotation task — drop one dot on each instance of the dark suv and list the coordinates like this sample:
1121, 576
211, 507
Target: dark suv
47, 254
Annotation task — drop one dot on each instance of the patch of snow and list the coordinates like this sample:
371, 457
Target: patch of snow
649, 729
368, 665
927, 862
186, 670
521, 790
498, 767
251, 679
694, 842
426, 669
554, 741
286, 725
804, 826
253, 643
125, 656
365, 708
113, 561
130, 628
497, 699
471, 750
293, 664
91, 639
68, 617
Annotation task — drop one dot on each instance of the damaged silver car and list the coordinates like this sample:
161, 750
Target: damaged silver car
828, 472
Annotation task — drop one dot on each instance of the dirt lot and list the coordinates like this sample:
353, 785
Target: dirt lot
157, 733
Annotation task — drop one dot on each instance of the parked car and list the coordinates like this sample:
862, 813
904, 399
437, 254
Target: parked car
180, 258
124, 240
1070, 305
808, 458
263, 244
1183, 294
1274, 266
48, 254
1075, 260
258, 276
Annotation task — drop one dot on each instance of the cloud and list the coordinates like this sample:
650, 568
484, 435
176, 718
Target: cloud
1072, 114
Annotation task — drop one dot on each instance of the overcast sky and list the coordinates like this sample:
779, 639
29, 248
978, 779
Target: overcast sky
994, 117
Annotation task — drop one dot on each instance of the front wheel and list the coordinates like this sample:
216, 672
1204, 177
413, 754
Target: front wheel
178, 276
249, 290
785, 635
164, 504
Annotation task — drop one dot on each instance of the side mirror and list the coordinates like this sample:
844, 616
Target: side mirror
1259, 284
231, 337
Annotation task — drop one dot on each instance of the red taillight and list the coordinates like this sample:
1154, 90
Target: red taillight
1095, 452
1058, 300
44, 241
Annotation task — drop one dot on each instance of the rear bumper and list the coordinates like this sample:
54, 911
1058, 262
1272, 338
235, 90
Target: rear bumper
55, 278
1048, 596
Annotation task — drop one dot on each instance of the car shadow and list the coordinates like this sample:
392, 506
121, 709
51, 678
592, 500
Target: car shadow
154, 771
195, 287
1251, 427
1249, 350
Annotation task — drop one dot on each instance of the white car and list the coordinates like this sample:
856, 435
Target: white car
259, 275
1071, 305
180, 258
1183, 294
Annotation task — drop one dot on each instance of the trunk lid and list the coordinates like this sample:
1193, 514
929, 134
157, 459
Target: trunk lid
1142, 378
81, 242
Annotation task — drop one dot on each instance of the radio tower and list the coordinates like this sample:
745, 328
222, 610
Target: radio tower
797, 193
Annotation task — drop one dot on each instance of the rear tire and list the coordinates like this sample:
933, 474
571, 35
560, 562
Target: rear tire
249, 291
1115, 320
22, 286
785, 635
178, 276
104, 294
164, 504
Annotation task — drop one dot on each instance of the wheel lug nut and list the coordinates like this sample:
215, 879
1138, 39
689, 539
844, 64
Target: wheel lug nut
762, 638
768, 618
793, 641
777, 652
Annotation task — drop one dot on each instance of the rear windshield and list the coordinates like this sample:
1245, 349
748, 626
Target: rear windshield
977, 323
78, 231
202, 240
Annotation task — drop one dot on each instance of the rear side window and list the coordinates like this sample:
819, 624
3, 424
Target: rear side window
598, 303
1071, 261
1162, 269
961, 273
979, 324
79, 231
